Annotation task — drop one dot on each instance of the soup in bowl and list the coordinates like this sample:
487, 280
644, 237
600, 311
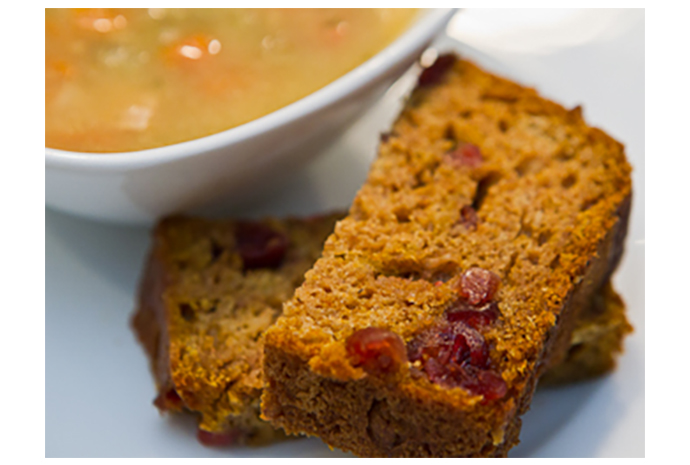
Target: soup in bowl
120, 80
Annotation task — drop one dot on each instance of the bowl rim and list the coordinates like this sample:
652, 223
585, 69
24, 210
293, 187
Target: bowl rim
423, 29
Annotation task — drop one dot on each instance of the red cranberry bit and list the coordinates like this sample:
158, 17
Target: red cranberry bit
465, 155
491, 385
168, 400
468, 217
260, 246
486, 383
434, 73
478, 286
221, 439
437, 372
377, 350
472, 316
441, 345
452, 344
454, 354
474, 347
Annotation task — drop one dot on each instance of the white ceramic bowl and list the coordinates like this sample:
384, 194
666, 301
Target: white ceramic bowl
138, 187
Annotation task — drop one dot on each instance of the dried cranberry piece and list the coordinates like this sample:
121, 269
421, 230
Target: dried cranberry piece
468, 217
472, 316
378, 351
436, 372
461, 349
218, 439
465, 155
168, 399
443, 347
436, 343
491, 385
434, 73
478, 286
458, 376
484, 382
449, 345
476, 352
260, 246
454, 354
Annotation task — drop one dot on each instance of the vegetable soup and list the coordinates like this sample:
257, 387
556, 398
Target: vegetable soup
120, 80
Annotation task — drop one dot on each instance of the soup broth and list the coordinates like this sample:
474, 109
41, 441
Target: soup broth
122, 80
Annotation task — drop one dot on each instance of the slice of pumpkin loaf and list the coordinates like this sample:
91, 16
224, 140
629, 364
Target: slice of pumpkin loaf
209, 291
489, 218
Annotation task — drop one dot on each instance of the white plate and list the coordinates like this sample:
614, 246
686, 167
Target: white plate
98, 385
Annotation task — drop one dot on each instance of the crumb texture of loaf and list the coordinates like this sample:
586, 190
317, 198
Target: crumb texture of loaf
202, 315
476, 172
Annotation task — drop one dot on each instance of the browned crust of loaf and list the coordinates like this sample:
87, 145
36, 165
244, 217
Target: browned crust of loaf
312, 387
148, 321
224, 389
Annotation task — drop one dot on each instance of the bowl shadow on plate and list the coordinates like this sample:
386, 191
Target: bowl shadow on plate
116, 253
555, 409
298, 194
328, 182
